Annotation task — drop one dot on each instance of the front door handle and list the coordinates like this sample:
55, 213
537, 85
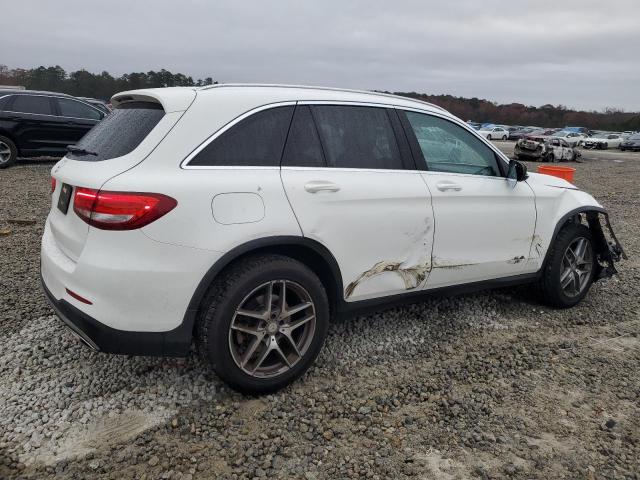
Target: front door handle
321, 186
445, 186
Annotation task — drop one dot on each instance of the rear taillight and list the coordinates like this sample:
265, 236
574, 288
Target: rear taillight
120, 210
53, 185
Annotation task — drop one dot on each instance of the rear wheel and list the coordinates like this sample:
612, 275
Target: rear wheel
263, 323
504, 137
570, 268
489, 137
8, 152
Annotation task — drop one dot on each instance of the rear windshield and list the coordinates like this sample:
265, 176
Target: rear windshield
119, 133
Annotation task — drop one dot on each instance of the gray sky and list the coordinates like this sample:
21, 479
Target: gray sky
581, 53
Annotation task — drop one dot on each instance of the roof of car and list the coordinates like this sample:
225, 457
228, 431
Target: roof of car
175, 98
10, 91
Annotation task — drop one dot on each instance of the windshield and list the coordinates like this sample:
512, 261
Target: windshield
119, 133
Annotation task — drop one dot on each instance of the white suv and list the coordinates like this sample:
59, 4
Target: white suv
245, 218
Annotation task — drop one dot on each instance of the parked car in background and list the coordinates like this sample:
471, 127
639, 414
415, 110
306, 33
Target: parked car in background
627, 133
474, 125
518, 134
574, 139
602, 142
545, 149
583, 130
494, 133
632, 143
34, 123
99, 104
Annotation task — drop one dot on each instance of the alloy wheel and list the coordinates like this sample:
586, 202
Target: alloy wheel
272, 328
5, 152
576, 266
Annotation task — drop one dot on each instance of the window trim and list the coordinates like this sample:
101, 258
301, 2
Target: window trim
501, 159
408, 156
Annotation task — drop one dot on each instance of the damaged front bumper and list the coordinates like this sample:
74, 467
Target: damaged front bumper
609, 251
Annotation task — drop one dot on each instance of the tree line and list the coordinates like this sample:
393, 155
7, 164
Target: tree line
103, 85
82, 83
479, 110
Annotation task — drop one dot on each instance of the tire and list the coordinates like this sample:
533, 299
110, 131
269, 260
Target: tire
220, 329
489, 137
551, 158
605, 146
504, 137
8, 152
553, 292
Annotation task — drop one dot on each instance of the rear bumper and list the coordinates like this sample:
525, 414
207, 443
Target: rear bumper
101, 337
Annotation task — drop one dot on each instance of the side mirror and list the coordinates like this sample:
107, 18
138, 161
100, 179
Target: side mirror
517, 171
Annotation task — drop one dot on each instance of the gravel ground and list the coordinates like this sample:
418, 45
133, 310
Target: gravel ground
491, 385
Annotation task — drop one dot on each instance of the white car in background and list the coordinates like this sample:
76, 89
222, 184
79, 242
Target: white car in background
603, 141
246, 218
494, 133
574, 139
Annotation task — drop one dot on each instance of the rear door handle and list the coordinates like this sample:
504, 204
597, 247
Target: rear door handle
445, 186
321, 186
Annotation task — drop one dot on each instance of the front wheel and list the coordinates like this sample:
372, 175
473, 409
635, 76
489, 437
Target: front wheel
504, 137
570, 267
489, 137
263, 323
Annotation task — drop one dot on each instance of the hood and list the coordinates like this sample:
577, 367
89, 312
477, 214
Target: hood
549, 181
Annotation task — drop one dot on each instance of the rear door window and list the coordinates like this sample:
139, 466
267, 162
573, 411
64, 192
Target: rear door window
357, 137
35, 104
303, 147
119, 133
256, 141
75, 109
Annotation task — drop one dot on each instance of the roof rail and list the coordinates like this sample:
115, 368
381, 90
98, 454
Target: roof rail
310, 87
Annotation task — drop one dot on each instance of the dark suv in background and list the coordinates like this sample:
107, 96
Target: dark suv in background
36, 123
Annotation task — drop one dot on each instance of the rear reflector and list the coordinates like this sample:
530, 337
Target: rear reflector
120, 210
78, 297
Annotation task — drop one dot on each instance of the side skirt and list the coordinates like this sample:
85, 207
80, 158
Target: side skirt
363, 307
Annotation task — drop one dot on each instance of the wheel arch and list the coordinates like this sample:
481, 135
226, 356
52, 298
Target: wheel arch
307, 251
592, 215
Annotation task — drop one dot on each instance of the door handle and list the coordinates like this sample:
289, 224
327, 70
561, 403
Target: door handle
444, 186
321, 186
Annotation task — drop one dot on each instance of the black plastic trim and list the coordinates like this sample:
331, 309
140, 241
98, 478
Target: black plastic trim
361, 307
561, 223
282, 241
172, 343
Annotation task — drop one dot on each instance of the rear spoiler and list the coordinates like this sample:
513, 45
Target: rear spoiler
175, 99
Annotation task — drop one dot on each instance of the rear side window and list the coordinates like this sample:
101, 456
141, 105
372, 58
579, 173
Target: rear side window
357, 137
303, 147
255, 141
75, 109
31, 104
120, 132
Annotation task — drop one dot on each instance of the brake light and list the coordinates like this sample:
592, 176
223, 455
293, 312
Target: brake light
53, 185
120, 210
